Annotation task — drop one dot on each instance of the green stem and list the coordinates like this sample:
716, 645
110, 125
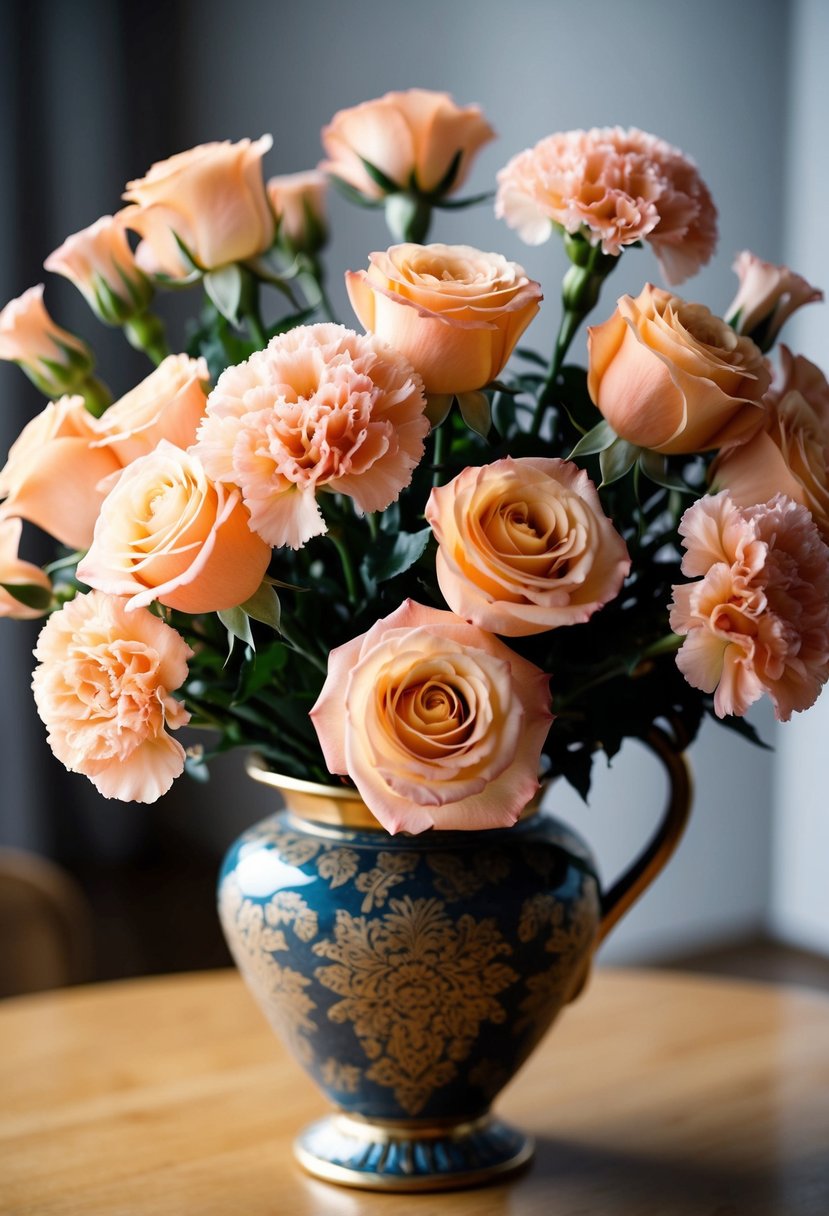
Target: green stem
408, 218
580, 290
567, 330
96, 396
146, 333
373, 526
667, 645
257, 329
313, 287
438, 454
249, 309
346, 563
288, 634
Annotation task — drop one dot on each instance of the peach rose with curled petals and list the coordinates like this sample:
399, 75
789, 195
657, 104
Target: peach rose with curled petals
166, 533
211, 199
412, 137
54, 470
436, 722
790, 455
104, 689
16, 572
524, 546
454, 312
672, 377
321, 408
757, 620
167, 404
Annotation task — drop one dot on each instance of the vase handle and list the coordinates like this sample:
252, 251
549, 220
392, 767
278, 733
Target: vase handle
641, 873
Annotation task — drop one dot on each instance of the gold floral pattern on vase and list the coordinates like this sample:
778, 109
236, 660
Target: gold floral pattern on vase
254, 934
459, 878
391, 869
571, 932
416, 986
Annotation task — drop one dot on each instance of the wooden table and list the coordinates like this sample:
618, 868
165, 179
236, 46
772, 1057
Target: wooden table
656, 1095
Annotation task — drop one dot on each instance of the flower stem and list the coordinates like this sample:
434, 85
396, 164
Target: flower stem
347, 565
580, 290
96, 396
570, 322
438, 454
290, 637
145, 332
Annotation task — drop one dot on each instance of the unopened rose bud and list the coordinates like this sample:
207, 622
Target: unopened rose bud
25, 589
767, 297
298, 202
54, 360
101, 264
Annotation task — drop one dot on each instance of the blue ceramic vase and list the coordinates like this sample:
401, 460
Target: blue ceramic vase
411, 976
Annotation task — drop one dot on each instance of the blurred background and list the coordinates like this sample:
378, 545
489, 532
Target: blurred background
93, 91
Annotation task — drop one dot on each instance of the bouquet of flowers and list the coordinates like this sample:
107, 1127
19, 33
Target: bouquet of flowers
422, 559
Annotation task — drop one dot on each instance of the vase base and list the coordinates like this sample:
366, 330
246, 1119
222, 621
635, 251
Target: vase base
398, 1157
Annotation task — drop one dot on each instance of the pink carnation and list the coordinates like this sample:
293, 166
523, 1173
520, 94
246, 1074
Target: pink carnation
616, 187
320, 408
758, 619
104, 688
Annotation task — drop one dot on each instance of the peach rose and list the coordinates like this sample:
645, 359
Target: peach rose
55, 360
757, 621
320, 408
15, 572
167, 404
103, 688
298, 202
672, 377
54, 470
211, 199
454, 312
413, 138
525, 546
99, 261
616, 188
436, 722
790, 455
767, 297
166, 533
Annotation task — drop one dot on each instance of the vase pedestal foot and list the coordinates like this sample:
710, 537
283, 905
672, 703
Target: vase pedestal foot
406, 1157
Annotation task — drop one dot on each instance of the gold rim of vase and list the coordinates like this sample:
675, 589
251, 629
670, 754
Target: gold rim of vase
340, 806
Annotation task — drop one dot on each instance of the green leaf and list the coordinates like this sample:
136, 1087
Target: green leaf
458, 204
393, 555
617, 460
258, 670
380, 178
448, 180
531, 356
32, 595
655, 466
438, 406
476, 412
224, 287
355, 196
600, 437
237, 624
264, 606
189, 259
